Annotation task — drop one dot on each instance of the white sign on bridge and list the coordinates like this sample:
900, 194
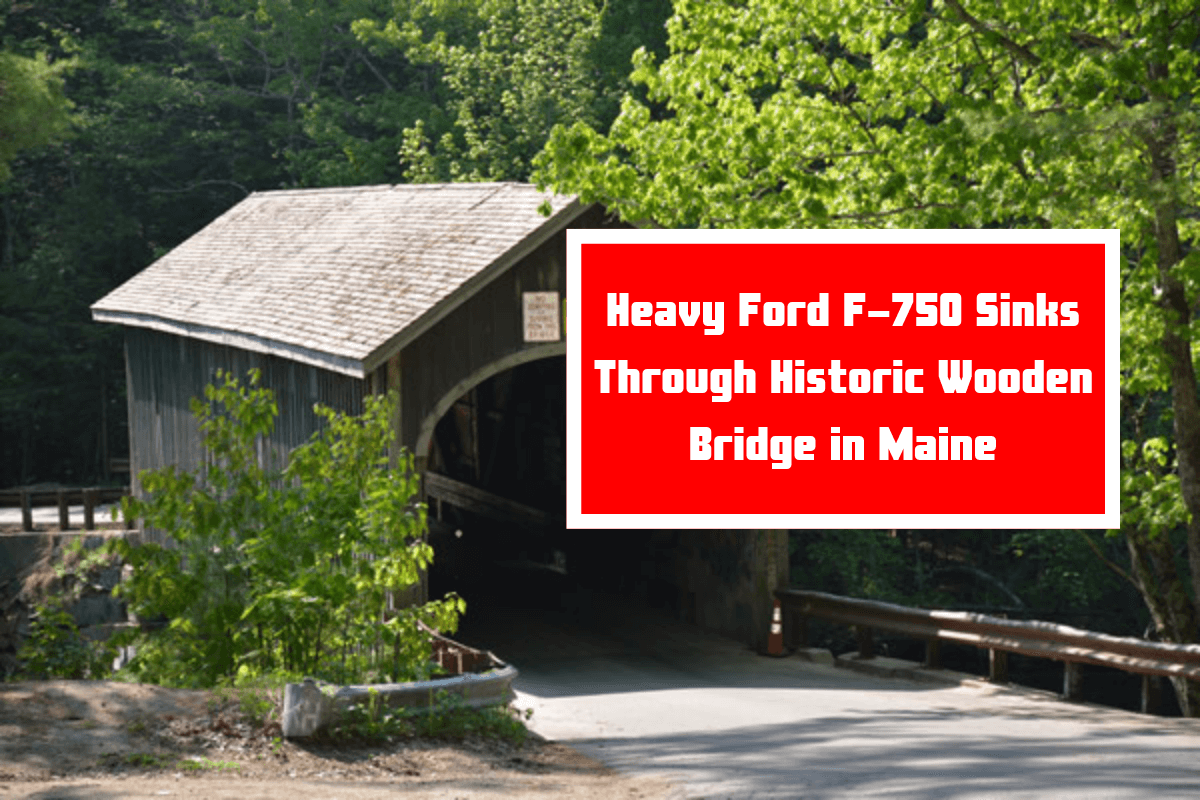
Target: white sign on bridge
540, 313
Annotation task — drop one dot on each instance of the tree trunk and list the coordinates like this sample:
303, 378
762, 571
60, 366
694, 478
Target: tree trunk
1164, 591
6, 262
1163, 588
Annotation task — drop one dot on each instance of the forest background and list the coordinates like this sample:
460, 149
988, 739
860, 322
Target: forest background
127, 126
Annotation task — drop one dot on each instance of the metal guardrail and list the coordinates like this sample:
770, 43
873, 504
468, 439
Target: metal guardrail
28, 499
999, 636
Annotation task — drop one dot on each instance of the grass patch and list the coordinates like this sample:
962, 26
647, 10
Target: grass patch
201, 764
448, 718
166, 761
503, 723
148, 760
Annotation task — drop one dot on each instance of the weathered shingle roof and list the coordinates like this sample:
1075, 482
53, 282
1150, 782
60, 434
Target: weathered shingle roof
331, 276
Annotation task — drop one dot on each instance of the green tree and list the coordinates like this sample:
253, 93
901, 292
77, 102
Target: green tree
34, 110
181, 109
332, 108
511, 70
948, 113
283, 571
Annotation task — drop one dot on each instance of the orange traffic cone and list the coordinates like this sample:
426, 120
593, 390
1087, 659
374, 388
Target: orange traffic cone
775, 639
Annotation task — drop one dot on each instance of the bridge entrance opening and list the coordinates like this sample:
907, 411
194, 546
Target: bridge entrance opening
495, 483
496, 488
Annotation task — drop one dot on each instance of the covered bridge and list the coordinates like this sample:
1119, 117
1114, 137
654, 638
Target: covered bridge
450, 294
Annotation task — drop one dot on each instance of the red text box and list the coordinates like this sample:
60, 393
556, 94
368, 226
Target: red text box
842, 379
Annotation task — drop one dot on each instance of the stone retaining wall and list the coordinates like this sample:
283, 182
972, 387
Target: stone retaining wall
28, 576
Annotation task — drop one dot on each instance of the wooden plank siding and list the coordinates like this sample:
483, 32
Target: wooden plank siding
164, 372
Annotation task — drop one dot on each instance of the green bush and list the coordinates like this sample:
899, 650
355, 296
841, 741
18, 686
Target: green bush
283, 571
56, 649
448, 717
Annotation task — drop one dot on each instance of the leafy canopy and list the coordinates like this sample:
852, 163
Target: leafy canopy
34, 111
510, 70
849, 114
803, 113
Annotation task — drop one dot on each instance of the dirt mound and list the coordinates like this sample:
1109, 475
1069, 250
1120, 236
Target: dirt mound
59, 727
100, 739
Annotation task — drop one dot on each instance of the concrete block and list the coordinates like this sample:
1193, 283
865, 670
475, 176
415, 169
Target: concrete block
885, 667
19, 551
309, 706
97, 609
306, 709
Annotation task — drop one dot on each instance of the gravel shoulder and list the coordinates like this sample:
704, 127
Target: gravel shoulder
102, 739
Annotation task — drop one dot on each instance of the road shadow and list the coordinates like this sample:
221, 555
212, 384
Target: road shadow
620, 645
933, 753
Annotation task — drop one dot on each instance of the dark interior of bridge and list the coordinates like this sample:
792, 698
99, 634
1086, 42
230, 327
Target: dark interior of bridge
497, 504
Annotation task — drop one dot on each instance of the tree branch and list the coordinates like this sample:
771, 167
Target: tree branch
383, 79
986, 578
1115, 567
1085, 39
979, 26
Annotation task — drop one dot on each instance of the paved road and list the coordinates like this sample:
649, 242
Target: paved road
661, 698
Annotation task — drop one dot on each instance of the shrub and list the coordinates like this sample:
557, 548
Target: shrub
448, 717
283, 570
56, 649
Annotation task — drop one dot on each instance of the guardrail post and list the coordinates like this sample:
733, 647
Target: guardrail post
866, 642
89, 509
26, 511
1072, 681
933, 653
997, 666
796, 628
1151, 694
64, 516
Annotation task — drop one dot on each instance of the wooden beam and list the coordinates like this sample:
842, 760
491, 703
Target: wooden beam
866, 641
89, 509
933, 653
997, 666
482, 502
12, 498
1072, 681
1152, 694
64, 517
26, 510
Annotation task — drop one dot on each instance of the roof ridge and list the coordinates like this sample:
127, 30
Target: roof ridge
391, 187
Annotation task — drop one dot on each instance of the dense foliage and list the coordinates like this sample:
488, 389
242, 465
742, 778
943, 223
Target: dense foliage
283, 571
56, 649
182, 108
933, 114
1050, 575
33, 108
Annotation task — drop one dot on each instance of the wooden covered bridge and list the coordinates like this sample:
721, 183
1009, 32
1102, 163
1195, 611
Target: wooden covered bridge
449, 294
